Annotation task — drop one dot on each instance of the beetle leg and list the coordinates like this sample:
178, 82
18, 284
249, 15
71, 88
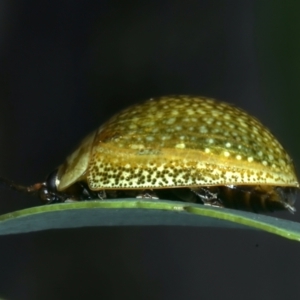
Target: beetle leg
80, 192
288, 198
147, 194
209, 196
101, 194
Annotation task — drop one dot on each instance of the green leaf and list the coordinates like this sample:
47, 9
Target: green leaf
136, 212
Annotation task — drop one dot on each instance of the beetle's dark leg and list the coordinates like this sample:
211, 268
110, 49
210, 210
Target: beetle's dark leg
81, 191
209, 196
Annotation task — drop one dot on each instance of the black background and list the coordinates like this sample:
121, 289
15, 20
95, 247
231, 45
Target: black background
67, 66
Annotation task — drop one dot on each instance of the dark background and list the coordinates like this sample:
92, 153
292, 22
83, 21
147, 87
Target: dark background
66, 66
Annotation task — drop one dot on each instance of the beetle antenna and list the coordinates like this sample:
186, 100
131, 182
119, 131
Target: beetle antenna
32, 189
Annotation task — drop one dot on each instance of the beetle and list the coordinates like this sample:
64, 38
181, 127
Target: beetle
179, 147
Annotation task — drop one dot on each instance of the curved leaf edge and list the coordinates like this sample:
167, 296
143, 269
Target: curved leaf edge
283, 228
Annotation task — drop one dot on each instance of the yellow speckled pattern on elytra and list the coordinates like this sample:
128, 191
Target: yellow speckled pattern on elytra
179, 141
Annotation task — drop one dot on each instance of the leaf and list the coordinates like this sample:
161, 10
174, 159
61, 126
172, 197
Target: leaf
136, 212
